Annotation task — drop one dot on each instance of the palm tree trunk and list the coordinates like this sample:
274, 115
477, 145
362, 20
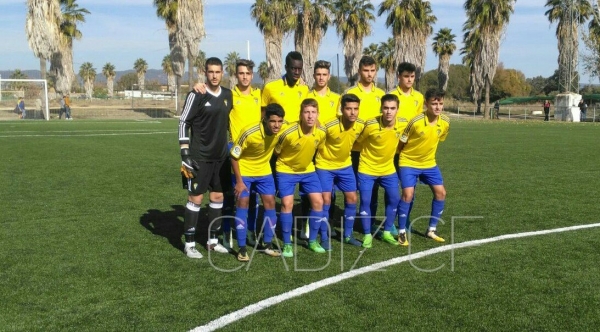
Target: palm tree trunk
486, 110
389, 78
191, 79
110, 86
443, 69
274, 55
43, 68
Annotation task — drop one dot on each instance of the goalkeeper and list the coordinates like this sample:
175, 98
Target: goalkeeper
205, 166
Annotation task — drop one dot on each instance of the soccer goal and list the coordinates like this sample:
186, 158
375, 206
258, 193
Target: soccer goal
35, 98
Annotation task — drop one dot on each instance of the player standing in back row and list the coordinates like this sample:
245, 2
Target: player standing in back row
203, 140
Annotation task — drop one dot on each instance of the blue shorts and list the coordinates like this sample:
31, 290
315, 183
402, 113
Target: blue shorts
264, 185
366, 182
309, 183
343, 178
430, 176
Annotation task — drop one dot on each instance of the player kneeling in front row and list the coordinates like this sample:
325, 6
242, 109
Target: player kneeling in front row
250, 164
418, 146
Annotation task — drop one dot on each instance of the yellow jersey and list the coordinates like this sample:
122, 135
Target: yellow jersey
421, 139
329, 104
370, 102
379, 144
334, 154
290, 98
410, 104
246, 111
253, 150
296, 150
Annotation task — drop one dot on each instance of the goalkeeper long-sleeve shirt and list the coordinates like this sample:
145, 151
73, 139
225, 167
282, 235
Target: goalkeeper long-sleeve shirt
204, 123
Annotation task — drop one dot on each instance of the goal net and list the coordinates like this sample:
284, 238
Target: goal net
34, 94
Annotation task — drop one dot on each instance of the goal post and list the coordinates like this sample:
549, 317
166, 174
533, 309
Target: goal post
33, 91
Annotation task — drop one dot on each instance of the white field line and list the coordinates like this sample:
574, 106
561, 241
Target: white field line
43, 122
108, 134
266, 303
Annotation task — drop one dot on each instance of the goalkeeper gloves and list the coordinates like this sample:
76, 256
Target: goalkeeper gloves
187, 166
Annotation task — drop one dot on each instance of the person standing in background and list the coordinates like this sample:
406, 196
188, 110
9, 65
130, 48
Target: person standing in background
546, 109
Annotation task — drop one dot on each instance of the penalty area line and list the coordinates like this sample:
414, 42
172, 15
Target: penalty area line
269, 302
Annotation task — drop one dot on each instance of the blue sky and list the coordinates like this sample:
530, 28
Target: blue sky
121, 31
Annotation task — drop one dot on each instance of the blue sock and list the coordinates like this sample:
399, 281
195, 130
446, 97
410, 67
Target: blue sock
314, 224
437, 207
270, 220
390, 216
241, 215
403, 208
349, 214
324, 225
252, 212
374, 200
286, 227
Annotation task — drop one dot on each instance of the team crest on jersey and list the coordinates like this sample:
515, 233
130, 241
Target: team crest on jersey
282, 93
225, 101
416, 103
397, 135
237, 102
256, 101
316, 143
378, 99
439, 132
331, 103
422, 133
299, 95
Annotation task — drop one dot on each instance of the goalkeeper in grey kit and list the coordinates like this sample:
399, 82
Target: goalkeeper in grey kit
204, 155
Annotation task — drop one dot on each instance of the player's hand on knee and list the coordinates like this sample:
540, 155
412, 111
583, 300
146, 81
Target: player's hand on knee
239, 188
187, 164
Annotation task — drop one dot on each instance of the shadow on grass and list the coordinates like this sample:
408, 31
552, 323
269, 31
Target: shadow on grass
169, 224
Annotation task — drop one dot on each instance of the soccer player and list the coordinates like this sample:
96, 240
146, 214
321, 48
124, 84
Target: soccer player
203, 141
379, 142
250, 163
295, 150
288, 91
335, 167
246, 110
411, 100
370, 107
418, 146
329, 102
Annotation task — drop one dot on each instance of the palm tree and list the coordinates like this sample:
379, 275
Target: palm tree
109, 72
568, 14
42, 28
199, 64
61, 62
185, 28
167, 67
274, 19
190, 31
486, 21
312, 23
230, 61
352, 19
371, 50
411, 22
140, 66
263, 71
386, 59
443, 47
87, 72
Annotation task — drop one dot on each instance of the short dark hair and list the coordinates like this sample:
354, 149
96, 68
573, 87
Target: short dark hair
434, 93
293, 55
309, 102
349, 98
213, 61
406, 66
244, 63
274, 109
390, 97
366, 61
322, 64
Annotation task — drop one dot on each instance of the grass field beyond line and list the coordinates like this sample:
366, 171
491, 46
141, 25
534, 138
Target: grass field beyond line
91, 231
